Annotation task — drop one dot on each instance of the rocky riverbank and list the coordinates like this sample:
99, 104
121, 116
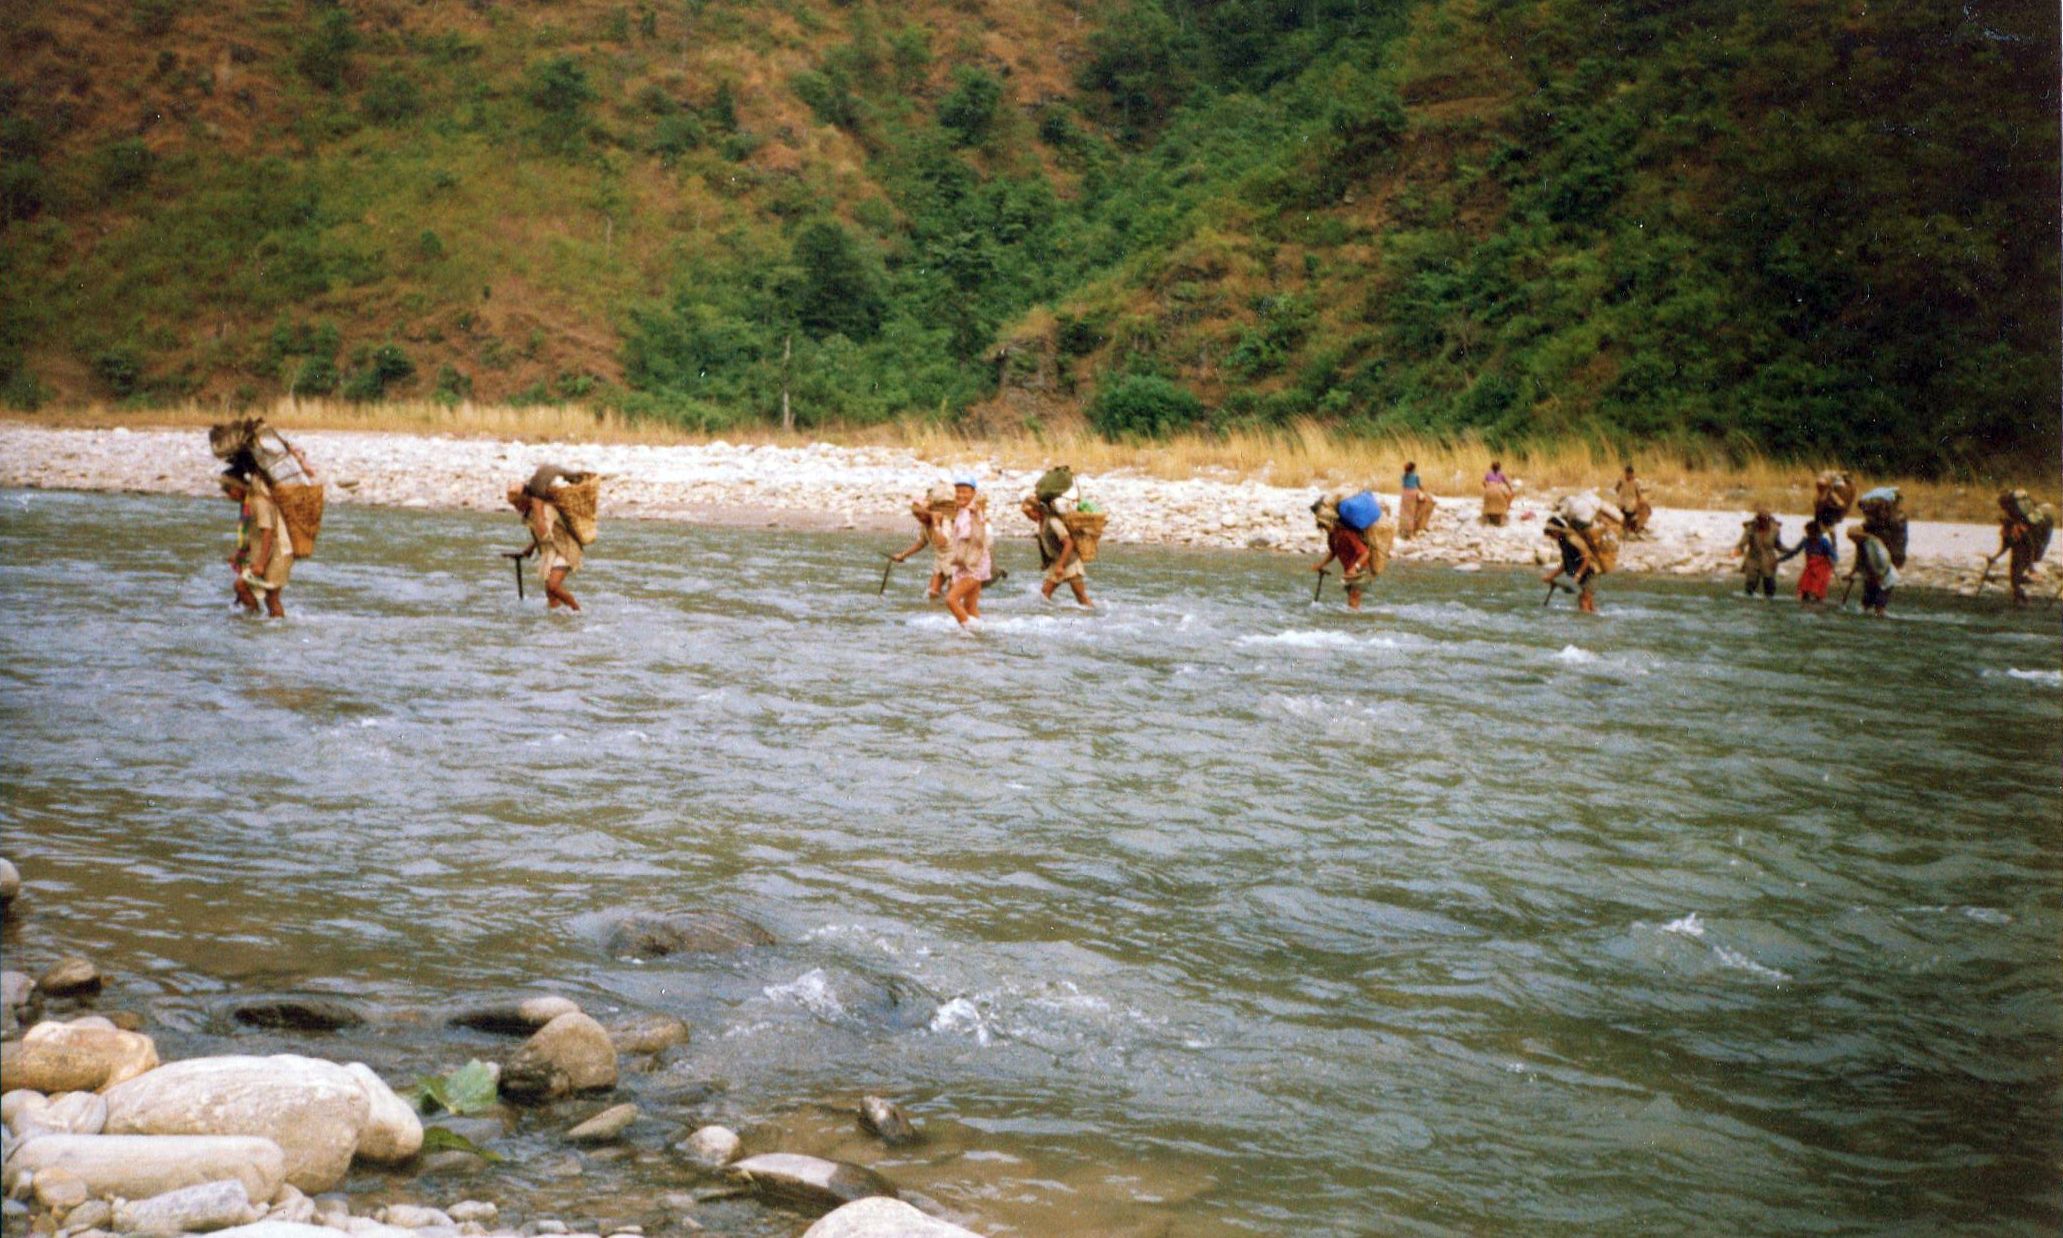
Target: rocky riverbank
103, 1137
827, 487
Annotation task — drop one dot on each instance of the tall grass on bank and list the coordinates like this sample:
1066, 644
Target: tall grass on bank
1302, 454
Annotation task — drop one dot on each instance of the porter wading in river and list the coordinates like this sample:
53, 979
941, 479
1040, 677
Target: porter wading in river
1356, 538
264, 555
967, 553
1760, 549
1580, 560
560, 519
1060, 555
1873, 563
934, 515
2025, 528
1821, 553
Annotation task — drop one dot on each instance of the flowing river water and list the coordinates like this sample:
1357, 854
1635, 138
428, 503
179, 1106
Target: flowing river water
1211, 912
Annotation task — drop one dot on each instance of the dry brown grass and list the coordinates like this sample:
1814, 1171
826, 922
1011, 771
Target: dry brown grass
1305, 454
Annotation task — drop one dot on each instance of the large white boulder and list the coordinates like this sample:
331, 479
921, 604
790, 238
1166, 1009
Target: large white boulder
139, 1166
809, 1180
572, 1053
79, 1056
392, 1131
880, 1217
314, 1110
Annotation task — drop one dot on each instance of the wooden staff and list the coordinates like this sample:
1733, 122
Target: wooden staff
886, 569
1319, 588
515, 558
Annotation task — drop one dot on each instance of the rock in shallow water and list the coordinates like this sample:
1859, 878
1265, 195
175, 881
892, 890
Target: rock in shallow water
516, 1019
10, 882
880, 1117
83, 1055
18, 996
711, 1146
301, 1014
140, 1166
314, 1110
570, 1054
810, 1180
652, 1033
392, 1131
650, 935
604, 1126
74, 976
883, 1218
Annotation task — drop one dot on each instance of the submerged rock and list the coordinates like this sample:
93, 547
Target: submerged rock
18, 997
810, 1180
652, 1033
314, 1110
570, 1054
881, 1118
10, 883
711, 1146
883, 1218
515, 1019
300, 1014
73, 976
606, 1125
651, 935
82, 1055
140, 1166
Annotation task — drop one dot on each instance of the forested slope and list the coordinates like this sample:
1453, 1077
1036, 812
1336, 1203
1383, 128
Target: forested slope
1808, 228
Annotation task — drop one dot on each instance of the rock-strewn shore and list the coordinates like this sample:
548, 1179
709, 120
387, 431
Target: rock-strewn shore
827, 487
102, 1137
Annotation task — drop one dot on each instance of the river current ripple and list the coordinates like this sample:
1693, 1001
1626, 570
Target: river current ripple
1214, 911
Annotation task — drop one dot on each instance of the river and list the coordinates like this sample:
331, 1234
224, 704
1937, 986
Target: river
1215, 911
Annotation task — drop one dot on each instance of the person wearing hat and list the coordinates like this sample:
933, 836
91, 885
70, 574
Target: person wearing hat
1873, 561
1059, 557
1761, 548
558, 551
967, 552
1577, 562
933, 514
264, 555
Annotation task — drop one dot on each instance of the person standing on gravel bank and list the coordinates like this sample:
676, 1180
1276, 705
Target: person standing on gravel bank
1632, 496
264, 555
967, 553
558, 551
1497, 495
1414, 505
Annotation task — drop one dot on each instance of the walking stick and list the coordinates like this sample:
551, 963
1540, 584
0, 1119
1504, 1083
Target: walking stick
1988, 565
1318, 589
1848, 590
889, 567
515, 558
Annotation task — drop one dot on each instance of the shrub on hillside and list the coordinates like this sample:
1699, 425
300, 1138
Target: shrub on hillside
326, 57
558, 88
154, 18
317, 376
838, 292
391, 97
374, 370
676, 134
1143, 405
125, 166
120, 370
969, 113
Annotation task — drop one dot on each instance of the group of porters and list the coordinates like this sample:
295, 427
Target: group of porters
281, 504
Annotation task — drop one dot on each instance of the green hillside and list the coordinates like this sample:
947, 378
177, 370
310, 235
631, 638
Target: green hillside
1806, 228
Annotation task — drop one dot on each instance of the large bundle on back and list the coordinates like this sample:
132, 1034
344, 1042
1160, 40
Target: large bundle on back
250, 446
1603, 539
576, 496
1883, 517
2040, 519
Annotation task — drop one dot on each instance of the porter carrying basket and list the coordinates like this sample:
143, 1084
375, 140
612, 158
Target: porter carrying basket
1086, 528
301, 508
575, 496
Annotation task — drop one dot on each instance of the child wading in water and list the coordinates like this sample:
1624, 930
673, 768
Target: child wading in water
1821, 552
968, 554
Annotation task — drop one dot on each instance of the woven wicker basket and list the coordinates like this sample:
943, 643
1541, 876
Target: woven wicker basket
575, 496
1604, 546
301, 508
1086, 528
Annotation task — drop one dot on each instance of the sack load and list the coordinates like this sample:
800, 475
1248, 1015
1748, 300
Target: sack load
1604, 546
1359, 512
1086, 528
1497, 499
1053, 483
1578, 510
249, 445
1883, 518
940, 501
1382, 540
575, 496
2041, 526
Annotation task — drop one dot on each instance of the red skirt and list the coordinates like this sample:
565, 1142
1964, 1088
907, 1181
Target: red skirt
1813, 582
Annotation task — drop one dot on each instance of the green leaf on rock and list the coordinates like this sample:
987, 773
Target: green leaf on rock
439, 1139
469, 1089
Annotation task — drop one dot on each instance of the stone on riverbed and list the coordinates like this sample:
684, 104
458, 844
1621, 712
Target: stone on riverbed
415, 1216
604, 1126
188, 1210
10, 882
520, 1019
651, 935
570, 1054
140, 1166
18, 996
80, 1056
73, 1113
880, 1117
810, 1180
74, 975
314, 1110
299, 1014
713, 1146
878, 1217
652, 1033
60, 1190
392, 1131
